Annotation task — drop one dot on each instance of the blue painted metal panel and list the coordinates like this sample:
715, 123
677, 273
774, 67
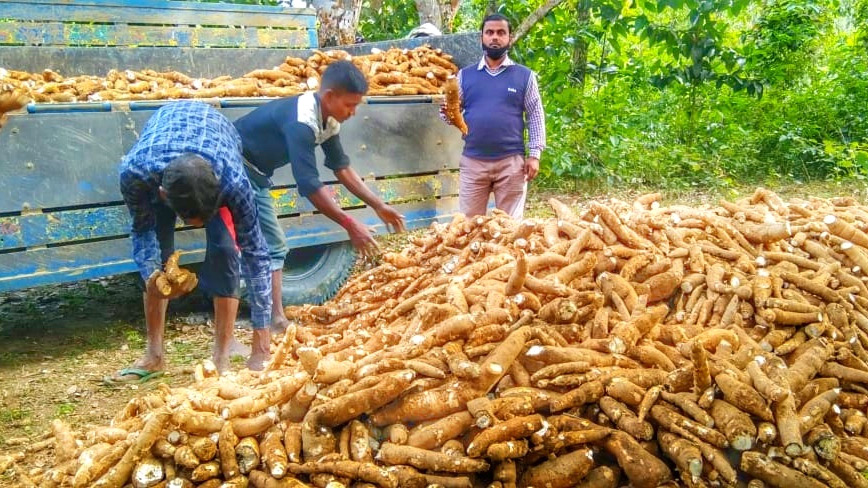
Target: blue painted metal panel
69, 226
63, 34
11, 236
82, 150
99, 259
313, 38
62, 108
157, 12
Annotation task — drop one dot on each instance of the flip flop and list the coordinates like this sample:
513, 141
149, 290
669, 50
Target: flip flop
131, 375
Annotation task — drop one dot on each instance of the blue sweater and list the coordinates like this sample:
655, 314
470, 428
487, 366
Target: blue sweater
494, 111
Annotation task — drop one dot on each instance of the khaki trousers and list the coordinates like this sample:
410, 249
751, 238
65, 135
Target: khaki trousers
505, 177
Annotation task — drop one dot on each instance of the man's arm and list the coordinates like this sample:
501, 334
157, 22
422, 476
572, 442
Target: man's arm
339, 162
536, 121
300, 139
360, 236
349, 178
146, 250
255, 264
536, 127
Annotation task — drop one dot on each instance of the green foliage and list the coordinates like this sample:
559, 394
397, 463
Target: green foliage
779, 45
390, 20
692, 48
683, 93
384, 20
13, 414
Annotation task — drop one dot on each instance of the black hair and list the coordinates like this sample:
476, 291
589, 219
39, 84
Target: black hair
344, 76
495, 17
191, 187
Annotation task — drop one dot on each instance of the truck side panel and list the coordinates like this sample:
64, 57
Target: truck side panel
47, 265
83, 151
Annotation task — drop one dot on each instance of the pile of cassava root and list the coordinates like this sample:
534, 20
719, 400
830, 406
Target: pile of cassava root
623, 345
422, 70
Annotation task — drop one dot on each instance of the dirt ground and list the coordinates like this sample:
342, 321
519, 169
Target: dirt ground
58, 343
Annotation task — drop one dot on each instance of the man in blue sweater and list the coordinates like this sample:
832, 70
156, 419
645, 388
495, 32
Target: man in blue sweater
500, 98
287, 131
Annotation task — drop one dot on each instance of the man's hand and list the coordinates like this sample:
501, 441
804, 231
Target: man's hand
443, 113
160, 288
394, 221
531, 168
361, 238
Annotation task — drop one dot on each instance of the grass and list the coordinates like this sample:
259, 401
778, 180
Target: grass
65, 409
10, 415
185, 351
134, 338
786, 189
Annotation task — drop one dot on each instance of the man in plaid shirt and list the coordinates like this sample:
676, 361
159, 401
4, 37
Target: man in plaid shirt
187, 163
500, 99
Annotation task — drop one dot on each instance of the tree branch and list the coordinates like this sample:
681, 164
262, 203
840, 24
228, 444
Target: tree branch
533, 18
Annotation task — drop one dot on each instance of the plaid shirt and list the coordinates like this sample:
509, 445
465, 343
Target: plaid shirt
533, 107
193, 127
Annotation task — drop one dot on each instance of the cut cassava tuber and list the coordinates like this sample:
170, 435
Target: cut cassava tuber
394, 454
422, 70
642, 468
453, 105
560, 472
495, 351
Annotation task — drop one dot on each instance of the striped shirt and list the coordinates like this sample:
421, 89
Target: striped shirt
193, 127
533, 107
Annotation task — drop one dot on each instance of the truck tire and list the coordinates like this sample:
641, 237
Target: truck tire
314, 274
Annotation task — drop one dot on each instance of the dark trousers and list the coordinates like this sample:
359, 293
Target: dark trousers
220, 274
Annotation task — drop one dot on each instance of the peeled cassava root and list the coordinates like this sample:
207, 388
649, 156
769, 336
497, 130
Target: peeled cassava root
498, 353
422, 70
174, 281
11, 99
453, 105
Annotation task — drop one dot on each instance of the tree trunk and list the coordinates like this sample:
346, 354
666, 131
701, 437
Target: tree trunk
579, 60
339, 21
448, 8
491, 7
429, 11
535, 17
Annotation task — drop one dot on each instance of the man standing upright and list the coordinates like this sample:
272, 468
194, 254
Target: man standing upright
500, 99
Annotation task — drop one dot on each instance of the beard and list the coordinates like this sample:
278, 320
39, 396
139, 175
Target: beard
495, 52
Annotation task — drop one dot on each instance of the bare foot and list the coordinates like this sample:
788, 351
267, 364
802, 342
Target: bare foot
257, 361
146, 366
150, 363
261, 349
279, 324
221, 361
238, 349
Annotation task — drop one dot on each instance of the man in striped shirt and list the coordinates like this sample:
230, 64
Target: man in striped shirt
187, 163
500, 99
